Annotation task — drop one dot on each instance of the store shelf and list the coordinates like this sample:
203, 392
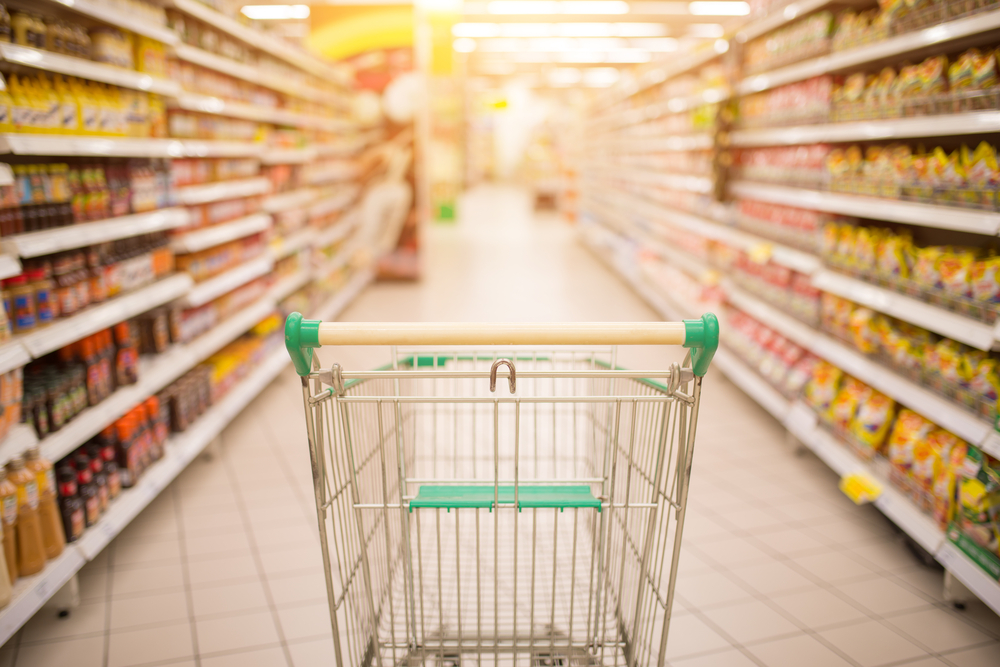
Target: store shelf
288, 286
214, 235
658, 144
963, 329
336, 232
30, 593
941, 410
699, 184
284, 246
332, 308
85, 69
154, 374
105, 315
751, 383
287, 201
213, 288
113, 15
19, 438
288, 155
977, 122
956, 34
335, 202
779, 17
71, 146
259, 40
334, 173
210, 192
220, 107
10, 266
13, 355
46, 242
970, 574
924, 215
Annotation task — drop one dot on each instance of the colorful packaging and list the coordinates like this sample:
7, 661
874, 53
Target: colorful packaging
909, 429
955, 271
822, 388
892, 254
978, 493
844, 407
943, 489
863, 329
873, 419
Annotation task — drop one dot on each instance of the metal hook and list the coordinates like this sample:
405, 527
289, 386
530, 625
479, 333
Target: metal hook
511, 379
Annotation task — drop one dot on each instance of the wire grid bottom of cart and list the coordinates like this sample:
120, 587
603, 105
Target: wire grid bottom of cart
472, 586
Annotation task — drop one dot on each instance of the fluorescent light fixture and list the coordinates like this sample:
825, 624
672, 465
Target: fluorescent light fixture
464, 45
629, 56
501, 45
601, 77
708, 30
276, 12
509, 7
527, 30
526, 57
565, 76
580, 57
640, 29
719, 8
581, 29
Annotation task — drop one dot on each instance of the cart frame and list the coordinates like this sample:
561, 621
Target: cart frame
409, 584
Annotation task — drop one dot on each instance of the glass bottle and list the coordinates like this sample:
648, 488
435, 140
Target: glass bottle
8, 515
30, 545
48, 511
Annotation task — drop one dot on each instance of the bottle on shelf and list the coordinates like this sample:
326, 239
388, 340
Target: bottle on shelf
30, 544
48, 506
8, 515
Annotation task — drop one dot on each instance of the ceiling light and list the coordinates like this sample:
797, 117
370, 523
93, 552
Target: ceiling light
656, 44
464, 45
556, 7
719, 8
523, 7
580, 57
640, 29
629, 56
276, 12
601, 77
593, 7
721, 46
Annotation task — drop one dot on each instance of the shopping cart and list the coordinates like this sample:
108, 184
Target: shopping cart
537, 523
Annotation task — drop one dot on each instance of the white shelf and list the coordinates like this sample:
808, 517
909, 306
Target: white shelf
336, 232
85, 69
699, 184
779, 17
227, 281
893, 47
46, 242
288, 155
935, 407
10, 266
659, 143
286, 245
30, 593
288, 286
103, 316
335, 202
214, 235
19, 438
335, 173
287, 201
211, 192
977, 122
924, 215
70, 145
970, 574
114, 16
220, 107
259, 40
12, 355
963, 329
751, 383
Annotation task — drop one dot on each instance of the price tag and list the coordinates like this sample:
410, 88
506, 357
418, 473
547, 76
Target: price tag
860, 487
760, 253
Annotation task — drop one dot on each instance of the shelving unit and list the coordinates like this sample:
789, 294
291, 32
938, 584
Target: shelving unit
49, 241
213, 288
217, 234
103, 12
632, 227
191, 195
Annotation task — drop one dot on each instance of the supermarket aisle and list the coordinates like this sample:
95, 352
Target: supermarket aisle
780, 570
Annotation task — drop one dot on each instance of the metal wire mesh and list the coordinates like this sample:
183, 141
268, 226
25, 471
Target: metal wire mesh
499, 585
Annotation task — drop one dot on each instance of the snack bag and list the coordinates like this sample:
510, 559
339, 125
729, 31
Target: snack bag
909, 429
932, 76
943, 487
960, 71
854, 87
863, 328
984, 70
845, 246
892, 254
984, 279
845, 405
873, 419
984, 379
976, 491
799, 374
822, 387
929, 455
830, 241
865, 244
980, 166
955, 271
946, 169
883, 86
925, 266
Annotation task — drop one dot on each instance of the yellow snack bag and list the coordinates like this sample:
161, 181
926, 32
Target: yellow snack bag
909, 429
960, 71
984, 279
943, 488
845, 405
892, 253
932, 75
873, 419
984, 70
822, 387
955, 271
984, 379
925, 266
980, 165
845, 246
863, 330
831, 239
865, 245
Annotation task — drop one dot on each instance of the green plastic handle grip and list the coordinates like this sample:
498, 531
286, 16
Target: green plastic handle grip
301, 336
702, 336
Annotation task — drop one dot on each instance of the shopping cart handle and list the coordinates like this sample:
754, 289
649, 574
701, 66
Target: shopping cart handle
702, 335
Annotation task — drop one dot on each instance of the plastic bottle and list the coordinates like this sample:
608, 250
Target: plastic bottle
21, 112
6, 585
42, 286
87, 489
8, 515
69, 107
6, 104
70, 505
5, 32
53, 535
30, 547
22, 296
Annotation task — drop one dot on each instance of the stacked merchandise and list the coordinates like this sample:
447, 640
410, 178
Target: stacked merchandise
856, 251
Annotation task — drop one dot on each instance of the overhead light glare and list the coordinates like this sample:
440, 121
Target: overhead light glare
721, 46
509, 7
276, 12
601, 77
575, 29
464, 45
700, 8
475, 30
708, 30
640, 29
656, 44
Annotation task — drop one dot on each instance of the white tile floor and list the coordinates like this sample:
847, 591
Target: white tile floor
779, 569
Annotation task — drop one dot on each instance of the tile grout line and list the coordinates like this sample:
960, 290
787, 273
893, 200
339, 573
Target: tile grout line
188, 595
252, 541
